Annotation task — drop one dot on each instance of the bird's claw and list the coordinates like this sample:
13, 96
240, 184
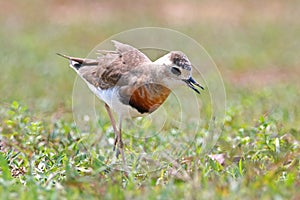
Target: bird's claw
118, 145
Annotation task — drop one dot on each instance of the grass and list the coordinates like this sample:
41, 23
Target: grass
44, 155
38, 159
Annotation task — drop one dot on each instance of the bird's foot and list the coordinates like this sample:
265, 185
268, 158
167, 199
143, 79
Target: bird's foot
115, 143
118, 147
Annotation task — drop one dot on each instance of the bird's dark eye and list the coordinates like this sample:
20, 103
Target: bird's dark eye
175, 71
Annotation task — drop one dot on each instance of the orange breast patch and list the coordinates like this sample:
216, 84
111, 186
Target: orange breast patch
149, 97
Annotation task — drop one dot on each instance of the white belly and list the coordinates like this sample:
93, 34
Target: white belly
111, 98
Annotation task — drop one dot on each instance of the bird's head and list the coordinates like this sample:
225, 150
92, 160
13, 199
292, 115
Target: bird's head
178, 69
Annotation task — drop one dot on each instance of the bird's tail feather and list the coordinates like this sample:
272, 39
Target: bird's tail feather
76, 63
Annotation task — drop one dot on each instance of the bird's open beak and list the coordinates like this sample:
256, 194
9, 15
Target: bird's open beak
192, 83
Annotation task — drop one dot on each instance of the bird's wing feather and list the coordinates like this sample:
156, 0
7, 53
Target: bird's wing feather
112, 66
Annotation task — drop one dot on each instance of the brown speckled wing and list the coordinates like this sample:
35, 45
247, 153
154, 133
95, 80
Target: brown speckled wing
113, 66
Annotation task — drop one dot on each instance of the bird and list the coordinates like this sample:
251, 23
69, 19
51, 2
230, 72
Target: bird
130, 84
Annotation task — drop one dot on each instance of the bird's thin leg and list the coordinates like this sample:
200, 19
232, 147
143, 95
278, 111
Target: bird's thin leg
118, 136
113, 122
120, 144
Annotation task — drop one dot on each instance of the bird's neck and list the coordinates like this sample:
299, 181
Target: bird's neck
161, 75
